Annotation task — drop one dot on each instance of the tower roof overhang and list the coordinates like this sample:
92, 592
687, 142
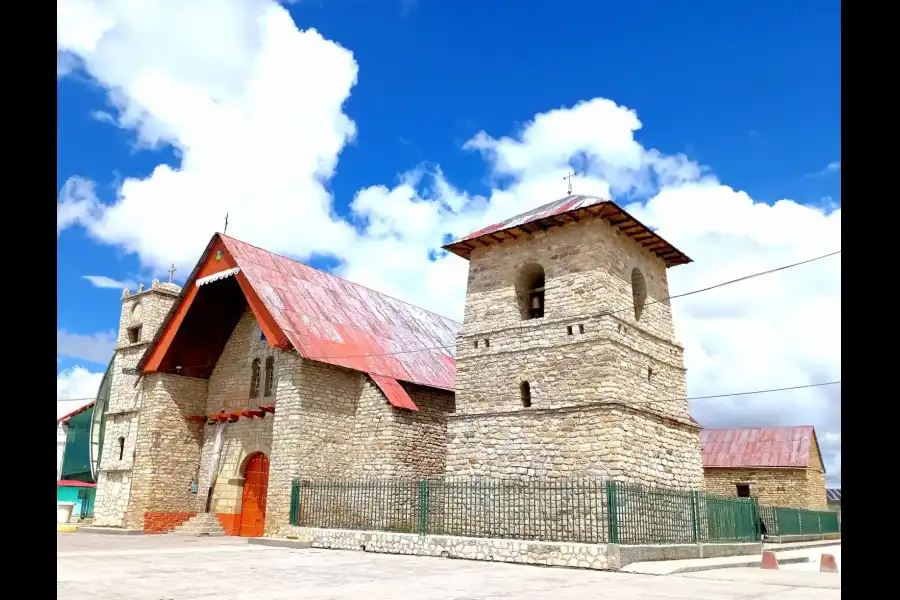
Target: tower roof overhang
570, 209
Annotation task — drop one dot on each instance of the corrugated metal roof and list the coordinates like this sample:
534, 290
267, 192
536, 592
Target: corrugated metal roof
749, 448
833, 494
332, 320
557, 207
567, 210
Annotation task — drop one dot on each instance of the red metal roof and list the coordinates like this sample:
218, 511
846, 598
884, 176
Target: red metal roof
749, 448
566, 210
394, 392
73, 483
332, 320
80, 409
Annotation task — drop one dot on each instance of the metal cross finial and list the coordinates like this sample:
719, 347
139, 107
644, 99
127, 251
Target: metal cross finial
172, 270
569, 178
226, 223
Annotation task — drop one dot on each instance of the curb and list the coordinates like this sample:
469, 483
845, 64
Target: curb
749, 563
111, 530
66, 528
817, 544
280, 543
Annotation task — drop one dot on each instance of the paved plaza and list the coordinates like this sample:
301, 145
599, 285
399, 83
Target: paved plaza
111, 567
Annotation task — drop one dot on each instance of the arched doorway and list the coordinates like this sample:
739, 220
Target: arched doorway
253, 499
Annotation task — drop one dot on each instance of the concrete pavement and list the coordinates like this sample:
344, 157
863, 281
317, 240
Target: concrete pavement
99, 567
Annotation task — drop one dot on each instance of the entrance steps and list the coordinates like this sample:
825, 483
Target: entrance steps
204, 524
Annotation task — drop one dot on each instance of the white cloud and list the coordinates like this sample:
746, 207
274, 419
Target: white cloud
96, 347
77, 383
102, 281
254, 108
832, 167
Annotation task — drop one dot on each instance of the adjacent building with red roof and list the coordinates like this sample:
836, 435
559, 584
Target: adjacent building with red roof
780, 466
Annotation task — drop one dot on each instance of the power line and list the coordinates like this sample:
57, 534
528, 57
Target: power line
682, 399
606, 313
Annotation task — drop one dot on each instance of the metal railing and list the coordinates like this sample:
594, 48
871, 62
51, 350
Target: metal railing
87, 496
565, 510
782, 521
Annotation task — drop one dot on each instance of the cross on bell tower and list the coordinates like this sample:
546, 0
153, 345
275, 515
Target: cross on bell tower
569, 179
172, 270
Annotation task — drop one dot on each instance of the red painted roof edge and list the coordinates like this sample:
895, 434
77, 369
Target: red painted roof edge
394, 392
75, 412
73, 483
174, 308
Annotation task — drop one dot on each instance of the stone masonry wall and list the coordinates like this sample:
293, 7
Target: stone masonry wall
818, 498
336, 423
167, 453
602, 440
418, 440
790, 488
114, 477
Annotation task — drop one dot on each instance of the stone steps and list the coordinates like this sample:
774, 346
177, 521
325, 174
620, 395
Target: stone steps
200, 525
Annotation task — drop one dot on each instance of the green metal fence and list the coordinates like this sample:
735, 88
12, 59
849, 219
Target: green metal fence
563, 510
797, 521
87, 496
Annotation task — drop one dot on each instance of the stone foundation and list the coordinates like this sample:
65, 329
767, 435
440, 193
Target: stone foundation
585, 556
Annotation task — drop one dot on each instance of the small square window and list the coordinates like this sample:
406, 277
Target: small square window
134, 334
487, 343
569, 330
743, 490
581, 329
476, 343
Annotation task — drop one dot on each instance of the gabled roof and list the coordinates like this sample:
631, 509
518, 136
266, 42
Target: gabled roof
66, 409
756, 448
325, 318
568, 210
833, 494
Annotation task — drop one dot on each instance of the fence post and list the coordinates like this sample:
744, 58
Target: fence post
800, 521
423, 507
612, 512
294, 517
819, 517
695, 515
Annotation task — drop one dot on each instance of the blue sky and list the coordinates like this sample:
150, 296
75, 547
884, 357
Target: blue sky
745, 99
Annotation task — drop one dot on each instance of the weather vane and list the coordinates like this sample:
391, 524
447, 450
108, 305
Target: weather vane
569, 178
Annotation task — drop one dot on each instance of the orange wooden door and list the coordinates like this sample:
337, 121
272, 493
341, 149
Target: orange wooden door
253, 500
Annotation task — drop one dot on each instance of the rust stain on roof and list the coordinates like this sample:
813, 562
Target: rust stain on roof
567, 210
332, 320
758, 448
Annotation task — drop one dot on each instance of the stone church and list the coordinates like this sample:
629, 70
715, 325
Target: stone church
262, 369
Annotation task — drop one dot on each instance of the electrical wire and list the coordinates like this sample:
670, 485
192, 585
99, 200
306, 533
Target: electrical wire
607, 313
682, 399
